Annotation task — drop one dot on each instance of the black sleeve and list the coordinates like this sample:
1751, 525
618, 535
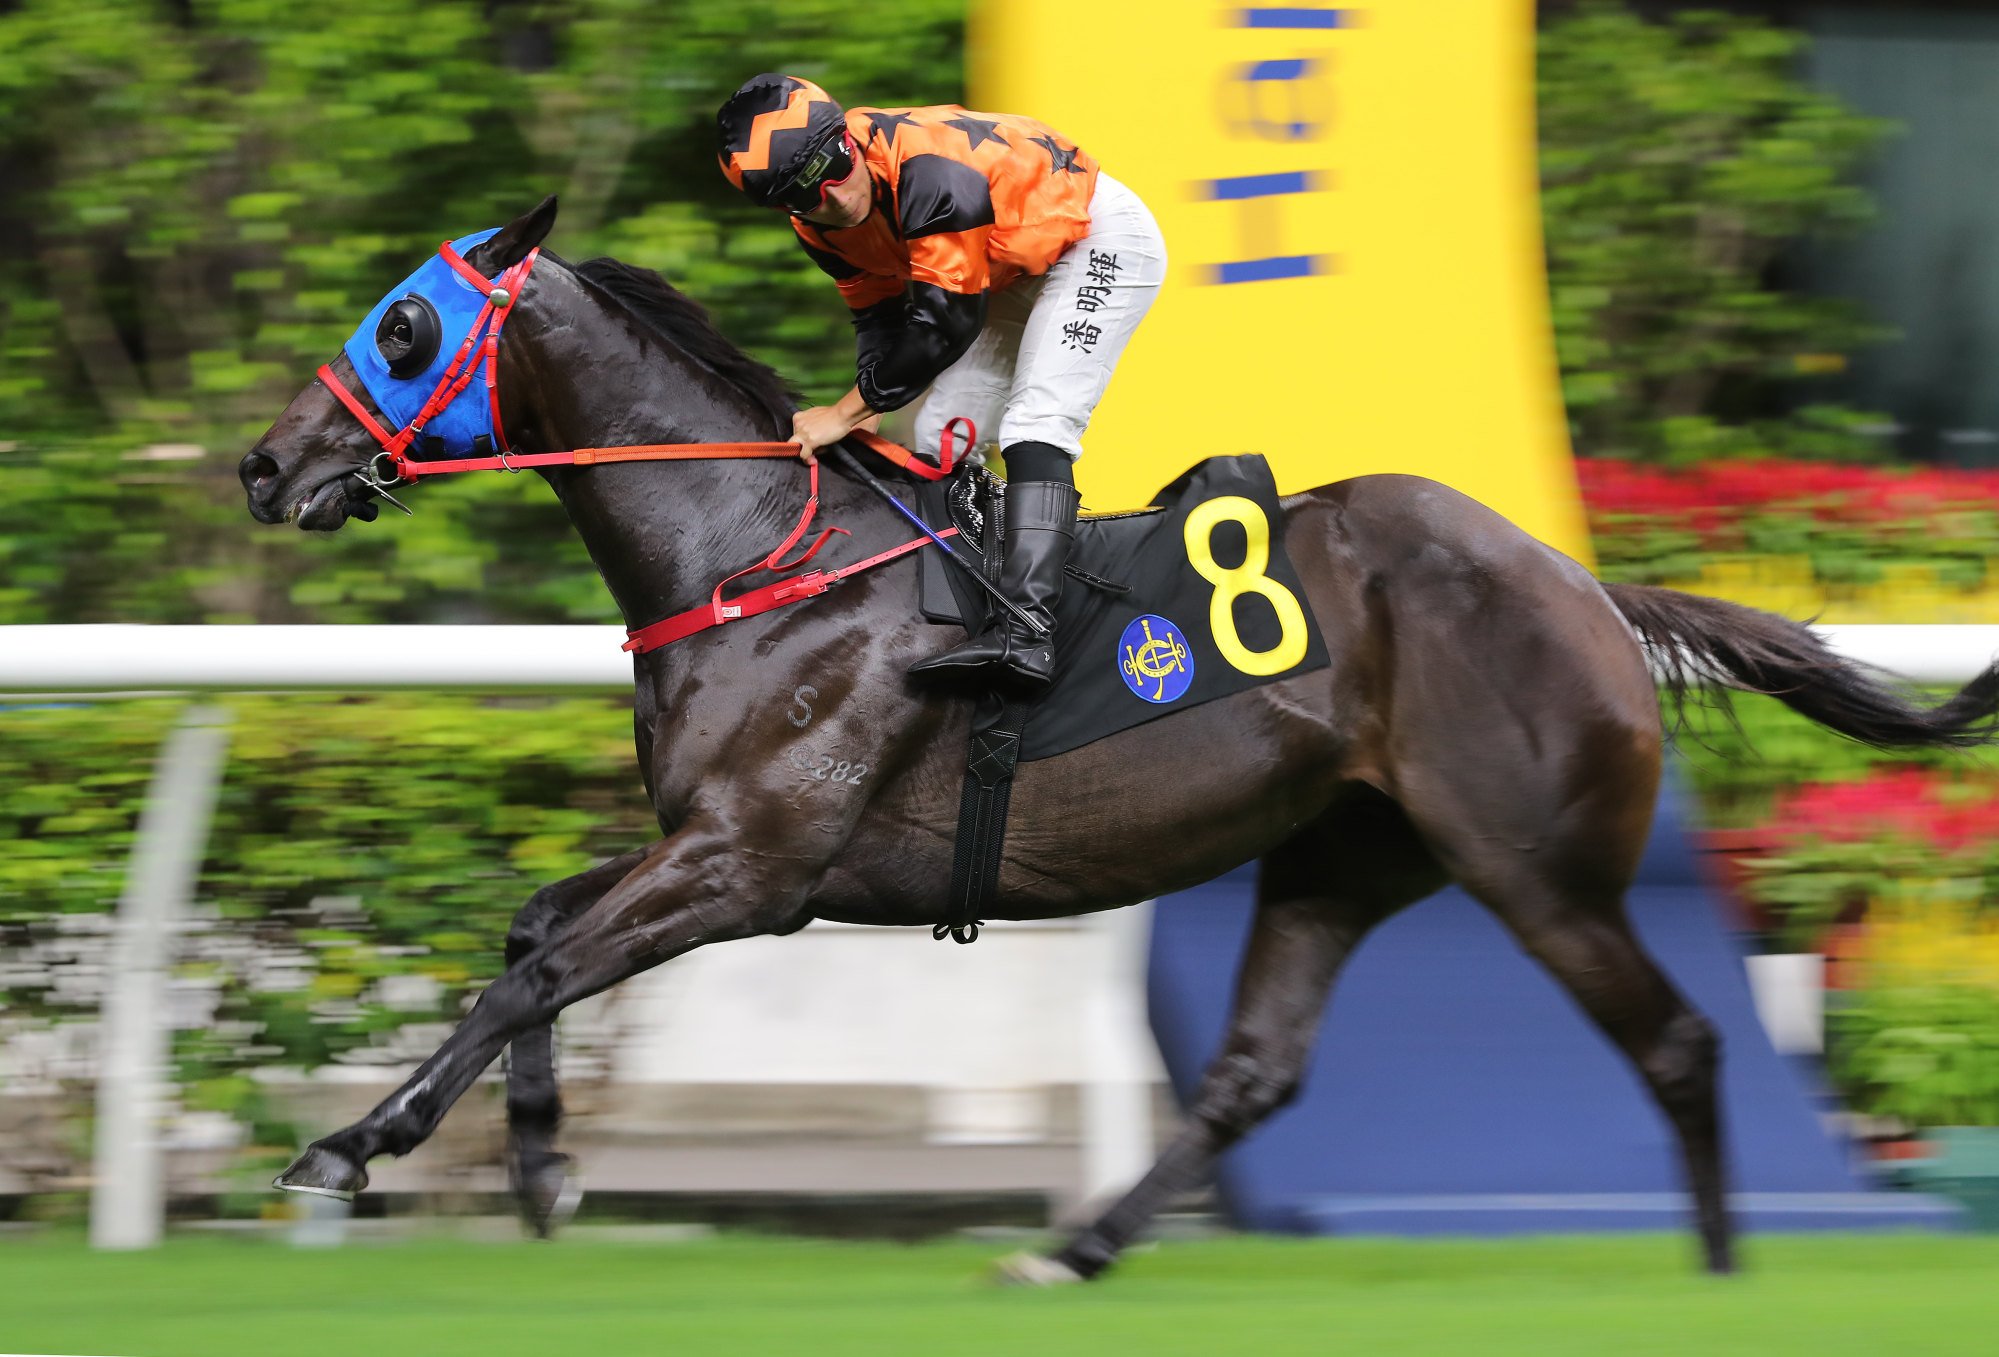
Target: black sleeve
938, 196
936, 327
875, 330
830, 264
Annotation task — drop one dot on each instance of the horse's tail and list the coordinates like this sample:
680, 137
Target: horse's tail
1692, 640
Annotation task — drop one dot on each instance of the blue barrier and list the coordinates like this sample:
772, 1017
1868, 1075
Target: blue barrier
1456, 1089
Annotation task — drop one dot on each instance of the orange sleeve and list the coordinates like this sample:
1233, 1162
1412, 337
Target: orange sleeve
858, 287
955, 262
945, 210
868, 289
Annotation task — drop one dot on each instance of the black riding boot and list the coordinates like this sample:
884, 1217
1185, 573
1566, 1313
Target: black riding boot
1040, 524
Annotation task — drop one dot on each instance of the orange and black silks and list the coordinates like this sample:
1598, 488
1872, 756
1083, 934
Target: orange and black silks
965, 203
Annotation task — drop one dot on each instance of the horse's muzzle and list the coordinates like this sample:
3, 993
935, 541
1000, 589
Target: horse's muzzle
259, 473
321, 508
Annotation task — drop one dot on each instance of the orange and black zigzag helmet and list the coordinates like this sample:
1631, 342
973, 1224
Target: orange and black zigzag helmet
770, 127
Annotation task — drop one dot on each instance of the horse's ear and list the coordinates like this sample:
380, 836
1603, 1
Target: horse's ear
515, 239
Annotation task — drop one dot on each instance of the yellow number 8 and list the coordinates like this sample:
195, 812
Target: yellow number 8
1247, 578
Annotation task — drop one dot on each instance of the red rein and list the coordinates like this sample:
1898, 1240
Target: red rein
482, 347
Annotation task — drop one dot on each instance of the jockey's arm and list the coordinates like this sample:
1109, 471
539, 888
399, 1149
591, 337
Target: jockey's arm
903, 344
934, 329
906, 339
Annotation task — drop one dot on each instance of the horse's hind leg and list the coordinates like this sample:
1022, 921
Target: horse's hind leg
1317, 896
542, 1178
1677, 1052
1564, 901
1524, 744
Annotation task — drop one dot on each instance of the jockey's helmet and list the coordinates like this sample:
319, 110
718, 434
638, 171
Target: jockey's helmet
782, 140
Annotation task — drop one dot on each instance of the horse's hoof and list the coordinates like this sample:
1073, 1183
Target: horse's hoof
548, 1192
323, 1173
1031, 1269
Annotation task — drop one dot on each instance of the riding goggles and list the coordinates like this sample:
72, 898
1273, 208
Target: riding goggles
824, 165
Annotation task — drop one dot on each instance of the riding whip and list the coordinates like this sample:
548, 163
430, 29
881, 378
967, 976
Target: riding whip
1013, 609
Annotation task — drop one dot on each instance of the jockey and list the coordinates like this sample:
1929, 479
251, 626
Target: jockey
985, 259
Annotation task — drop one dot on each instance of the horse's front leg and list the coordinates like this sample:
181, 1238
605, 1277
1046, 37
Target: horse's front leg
542, 1178
694, 889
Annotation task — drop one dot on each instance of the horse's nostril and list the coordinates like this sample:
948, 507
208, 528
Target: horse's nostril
257, 470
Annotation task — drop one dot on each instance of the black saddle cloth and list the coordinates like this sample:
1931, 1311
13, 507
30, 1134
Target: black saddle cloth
1154, 619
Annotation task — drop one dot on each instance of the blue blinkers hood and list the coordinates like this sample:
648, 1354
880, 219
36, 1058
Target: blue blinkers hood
452, 431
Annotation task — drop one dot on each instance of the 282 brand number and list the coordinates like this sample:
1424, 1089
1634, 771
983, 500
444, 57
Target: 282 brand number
1248, 578
825, 768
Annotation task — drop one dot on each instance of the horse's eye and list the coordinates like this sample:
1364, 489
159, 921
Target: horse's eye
409, 336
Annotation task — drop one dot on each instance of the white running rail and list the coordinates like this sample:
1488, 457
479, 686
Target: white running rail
119, 658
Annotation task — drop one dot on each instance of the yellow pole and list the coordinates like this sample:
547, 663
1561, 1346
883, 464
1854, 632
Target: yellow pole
1349, 202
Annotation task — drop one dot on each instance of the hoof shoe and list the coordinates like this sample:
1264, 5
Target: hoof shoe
321, 1172
548, 1190
1031, 1269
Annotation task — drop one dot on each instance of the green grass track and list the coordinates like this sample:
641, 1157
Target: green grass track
1611, 1297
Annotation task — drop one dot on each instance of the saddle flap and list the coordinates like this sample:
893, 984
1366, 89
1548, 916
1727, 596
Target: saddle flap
968, 500
1217, 607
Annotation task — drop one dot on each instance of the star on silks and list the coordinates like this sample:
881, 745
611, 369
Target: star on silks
1060, 157
978, 132
885, 123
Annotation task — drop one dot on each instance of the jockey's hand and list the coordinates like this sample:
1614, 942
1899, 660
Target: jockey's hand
824, 425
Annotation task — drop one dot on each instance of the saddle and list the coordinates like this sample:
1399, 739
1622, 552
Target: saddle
971, 499
1187, 600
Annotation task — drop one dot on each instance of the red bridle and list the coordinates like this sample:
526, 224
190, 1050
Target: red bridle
481, 347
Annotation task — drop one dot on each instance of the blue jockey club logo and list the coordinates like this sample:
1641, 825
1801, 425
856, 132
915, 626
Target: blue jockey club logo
1154, 659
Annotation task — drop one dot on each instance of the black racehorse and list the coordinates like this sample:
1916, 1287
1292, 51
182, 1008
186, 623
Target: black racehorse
1488, 718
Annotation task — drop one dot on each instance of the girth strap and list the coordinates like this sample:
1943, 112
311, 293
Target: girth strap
987, 790
982, 810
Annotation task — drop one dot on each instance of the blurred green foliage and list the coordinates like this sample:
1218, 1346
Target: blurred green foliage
356, 842
204, 197
1680, 160
1925, 1054
1740, 765
1918, 1045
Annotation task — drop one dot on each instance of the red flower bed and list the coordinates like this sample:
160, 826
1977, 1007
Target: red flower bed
1707, 496
1828, 851
1657, 526
1919, 805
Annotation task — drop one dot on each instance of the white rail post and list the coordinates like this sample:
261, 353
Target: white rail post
1117, 1095
128, 1191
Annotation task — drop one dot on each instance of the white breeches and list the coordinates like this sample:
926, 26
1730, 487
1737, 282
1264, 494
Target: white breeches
1038, 369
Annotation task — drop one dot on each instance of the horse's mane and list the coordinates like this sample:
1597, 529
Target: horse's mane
684, 323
